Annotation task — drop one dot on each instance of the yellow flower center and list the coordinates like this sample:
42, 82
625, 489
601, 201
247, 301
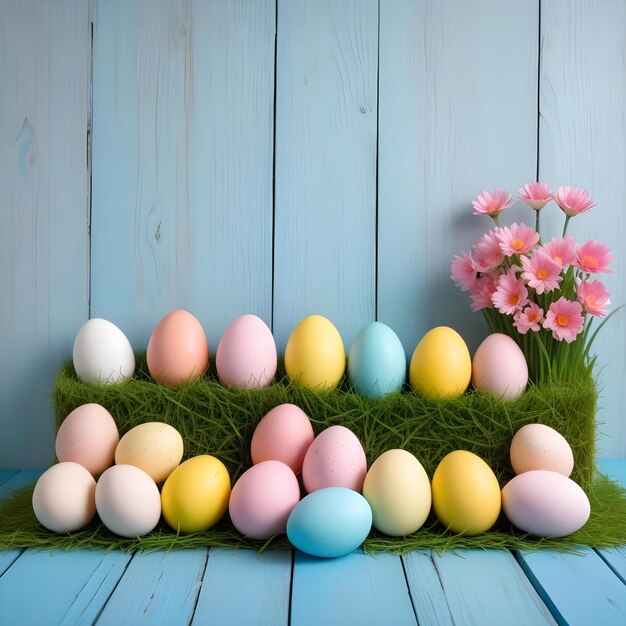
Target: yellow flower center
513, 298
517, 244
562, 320
590, 261
558, 260
541, 273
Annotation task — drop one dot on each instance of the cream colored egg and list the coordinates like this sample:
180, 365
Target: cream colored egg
539, 447
398, 491
154, 447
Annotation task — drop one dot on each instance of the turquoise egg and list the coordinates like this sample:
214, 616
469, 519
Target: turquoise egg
330, 522
376, 363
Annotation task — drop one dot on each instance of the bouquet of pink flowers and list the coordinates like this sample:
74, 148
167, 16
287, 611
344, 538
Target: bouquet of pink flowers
543, 295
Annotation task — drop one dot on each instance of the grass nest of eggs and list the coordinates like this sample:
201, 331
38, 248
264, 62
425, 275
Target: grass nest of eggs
220, 421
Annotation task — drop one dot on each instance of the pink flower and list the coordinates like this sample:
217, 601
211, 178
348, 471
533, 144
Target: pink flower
562, 251
573, 201
510, 294
491, 203
463, 271
594, 258
564, 319
541, 272
594, 297
535, 195
517, 239
481, 292
487, 253
528, 319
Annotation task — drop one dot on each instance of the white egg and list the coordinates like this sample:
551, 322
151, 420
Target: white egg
128, 501
102, 353
64, 497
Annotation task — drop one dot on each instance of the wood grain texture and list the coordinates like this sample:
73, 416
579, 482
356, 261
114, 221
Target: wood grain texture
182, 185
352, 589
245, 587
472, 586
457, 114
157, 588
325, 204
583, 144
44, 184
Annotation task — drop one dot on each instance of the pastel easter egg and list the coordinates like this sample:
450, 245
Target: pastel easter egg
178, 351
441, 365
499, 367
102, 353
545, 503
398, 491
335, 459
246, 354
466, 494
376, 362
330, 522
315, 356
284, 434
539, 447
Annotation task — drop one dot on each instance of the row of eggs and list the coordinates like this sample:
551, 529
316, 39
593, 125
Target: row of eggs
333, 519
441, 366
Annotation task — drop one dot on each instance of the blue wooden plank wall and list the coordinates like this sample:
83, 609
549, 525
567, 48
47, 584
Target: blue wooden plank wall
286, 158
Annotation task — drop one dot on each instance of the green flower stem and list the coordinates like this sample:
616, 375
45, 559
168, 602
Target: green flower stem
567, 219
537, 222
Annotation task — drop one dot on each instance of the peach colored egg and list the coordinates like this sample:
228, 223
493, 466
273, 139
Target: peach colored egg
64, 499
284, 434
178, 351
246, 355
499, 367
335, 459
539, 447
546, 504
88, 436
262, 500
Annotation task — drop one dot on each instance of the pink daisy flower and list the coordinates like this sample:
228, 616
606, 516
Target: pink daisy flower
562, 250
517, 239
486, 253
573, 201
594, 258
528, 319
463, 271
510, 294
541, 272
491, 203
594, 297
535, 195
564, 319
481, 292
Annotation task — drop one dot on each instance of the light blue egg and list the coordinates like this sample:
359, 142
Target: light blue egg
376, 363
330, 522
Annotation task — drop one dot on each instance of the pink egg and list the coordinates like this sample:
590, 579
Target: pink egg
262, 500
499, 367
177, 351
284, 434
88, 436
546, 504
334, 459
246, 355
539, 447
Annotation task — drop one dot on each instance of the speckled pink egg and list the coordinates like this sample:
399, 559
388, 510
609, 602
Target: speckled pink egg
246, 355
499, 367
335, 459
88, 436
262, 500
178, 351
284, 434
546, 504
539, 447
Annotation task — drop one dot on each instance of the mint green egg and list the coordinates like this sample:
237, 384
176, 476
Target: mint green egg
376, 362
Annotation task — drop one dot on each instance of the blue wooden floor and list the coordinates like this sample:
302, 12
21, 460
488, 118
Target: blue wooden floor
218, 586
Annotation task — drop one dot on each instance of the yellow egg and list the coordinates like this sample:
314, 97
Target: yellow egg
398, 491
441, 366
154, 447
196, 494
466, 494
315, 356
